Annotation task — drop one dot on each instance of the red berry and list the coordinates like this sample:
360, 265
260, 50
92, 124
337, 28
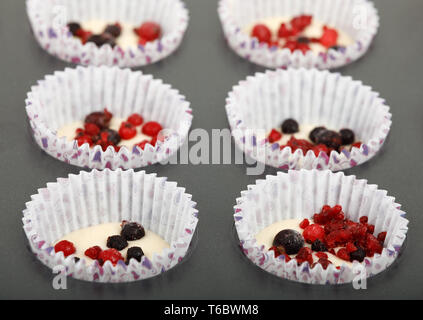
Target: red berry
321, 255
370, 228
381, 236
304, 224
357, 145
135, 119
142, 41
291, 45
284, 31
66, 247
142, 144
93, 252
313, 232
149, 31
329, 37
91, 129
301, 144
83, 140
364, 219
274, 136
343, 254
320, 148
305, 254
151, 128
324, 262
301, 22
262, 33
84, 35
351, 247
303, 47
127, 131
111, 255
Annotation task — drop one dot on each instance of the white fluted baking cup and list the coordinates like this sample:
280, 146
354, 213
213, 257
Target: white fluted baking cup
310, 96
98, 197
358, 18
48, 20
300, 194
70, 95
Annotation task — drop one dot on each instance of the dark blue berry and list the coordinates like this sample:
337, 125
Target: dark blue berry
315, 132
114, 30
348, 136
134, 253
329, 138
291, 240
74, 27
318, 246
358, 255
132, 231
290, 126
117, 242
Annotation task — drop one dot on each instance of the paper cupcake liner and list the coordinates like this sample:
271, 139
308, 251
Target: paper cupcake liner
70, 95
262, 102
237, 14
300, 194
98, 197
54, 37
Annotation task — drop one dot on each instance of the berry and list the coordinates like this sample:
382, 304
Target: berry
321, 255
358, 255
351, 247
135, 119
291, 45
364, 219
301, 22
117, 242
320, 148
290, 240
356, 145
343, 254
111, 136
303, 40
329, 138
111, 255
284, 31
274, 136
318, 246
91, 129
84, 35
114, 30
305, 254
93, 252
347, 136
290, 126
101, 119
381, 236
329, 37
324, 262
83, 140
143, 144
127, 131
262, 33
304, 224
149, 31
142, 41
132, 231
74, 27
313, 232
301, 144
101, 39
151, 128
315, 132
66, 247
134, 253
280, 251
303, 47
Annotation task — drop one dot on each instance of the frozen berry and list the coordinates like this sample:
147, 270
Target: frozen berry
324, 262
81, 140
102, 39
320, 148
315, 132
358, 255
301, 144
101, 119
321, 255
304, 224
149, 31
347, 136
343, 254
303, 47
329, 37
329, 138
142, 144
112, 136
93, 252
284, 31
314, 232
318, 246
290, 126
382, 236
301, 22
113, 29
303, 40
74, 27
280, 251
350, 247
134, 253
66, 247
151, 128
84, 35
290, 240
305, 254
135, 119
357, 145
274, 136
364, 219
291, 45
117, 242
132, 231
127, 131
91, 129
262, 33
111, 255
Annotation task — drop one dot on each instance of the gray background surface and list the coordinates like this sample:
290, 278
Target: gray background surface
205, 69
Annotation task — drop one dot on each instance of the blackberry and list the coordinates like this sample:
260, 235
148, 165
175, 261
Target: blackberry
74, 27
134, 253
347, 136
114, 30
291, 240
290, 126
132, 231
112, 136
318, 246
303, 40
358, 255
99, 118
117, 242
329, 138
315, 132
101, 39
